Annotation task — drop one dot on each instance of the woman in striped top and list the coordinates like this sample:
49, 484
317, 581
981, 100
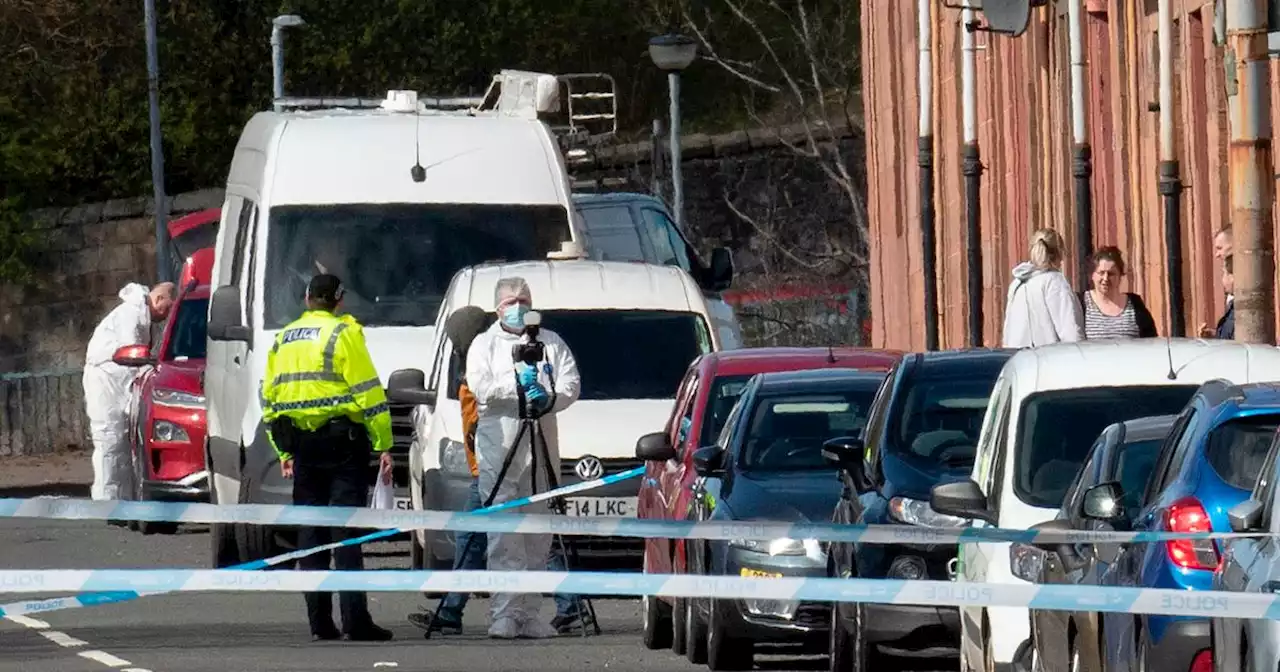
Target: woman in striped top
1109, 312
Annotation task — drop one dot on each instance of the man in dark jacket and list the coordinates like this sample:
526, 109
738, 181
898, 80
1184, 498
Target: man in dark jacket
1226, 328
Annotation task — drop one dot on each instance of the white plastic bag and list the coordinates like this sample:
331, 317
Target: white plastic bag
383, 495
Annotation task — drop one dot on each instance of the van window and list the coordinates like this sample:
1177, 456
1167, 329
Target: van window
614, 235
1057, 428
659, 229
396, 259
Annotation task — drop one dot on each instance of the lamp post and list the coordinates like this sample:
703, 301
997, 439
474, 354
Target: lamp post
673, 53
277, 52
163, 265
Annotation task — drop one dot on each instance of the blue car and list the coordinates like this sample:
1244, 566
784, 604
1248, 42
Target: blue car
1208, 464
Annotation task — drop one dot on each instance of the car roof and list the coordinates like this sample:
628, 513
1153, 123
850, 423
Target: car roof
1133, 362
948, 363
750, 361
183, 224
584, 285
1147, 428
590, 198
812, 379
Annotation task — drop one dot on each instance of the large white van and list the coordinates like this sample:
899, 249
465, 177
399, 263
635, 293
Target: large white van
392, 196
1047, 408
633, 329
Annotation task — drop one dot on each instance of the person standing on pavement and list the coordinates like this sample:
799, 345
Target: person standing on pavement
325, 408
106, 385
1226, 328
503, 388
1222, 243
1109, 312
1041, 308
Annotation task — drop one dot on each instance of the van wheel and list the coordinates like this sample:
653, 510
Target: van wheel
256, 542
224, 547
657, 623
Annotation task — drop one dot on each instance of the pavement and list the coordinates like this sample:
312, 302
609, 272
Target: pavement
224, 632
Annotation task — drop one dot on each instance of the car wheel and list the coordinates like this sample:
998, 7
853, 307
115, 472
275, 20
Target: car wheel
724, 651
657, 623
839, 655
679, 627
695, 633
1077, 665
417, 554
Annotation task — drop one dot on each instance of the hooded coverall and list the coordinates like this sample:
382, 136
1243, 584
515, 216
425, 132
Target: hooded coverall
492, 378
106, 392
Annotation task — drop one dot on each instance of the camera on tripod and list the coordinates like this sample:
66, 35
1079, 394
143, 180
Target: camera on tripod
533, 351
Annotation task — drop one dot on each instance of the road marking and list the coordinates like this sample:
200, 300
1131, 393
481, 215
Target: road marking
104, 658
63, 639
34, 624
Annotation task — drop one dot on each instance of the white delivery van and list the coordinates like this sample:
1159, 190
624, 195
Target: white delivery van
633, 329
1047, 408
393, 197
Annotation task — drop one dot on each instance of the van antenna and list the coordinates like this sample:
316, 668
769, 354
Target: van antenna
417, 172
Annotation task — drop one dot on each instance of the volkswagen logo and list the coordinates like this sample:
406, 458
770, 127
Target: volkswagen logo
589, 468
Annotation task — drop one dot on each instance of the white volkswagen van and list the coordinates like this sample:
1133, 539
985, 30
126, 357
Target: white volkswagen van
633, 329
393, 197
1047, 408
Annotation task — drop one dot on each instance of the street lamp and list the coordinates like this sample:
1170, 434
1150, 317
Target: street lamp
277, 52
674, 52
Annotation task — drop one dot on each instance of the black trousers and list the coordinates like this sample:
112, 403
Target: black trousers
331, 468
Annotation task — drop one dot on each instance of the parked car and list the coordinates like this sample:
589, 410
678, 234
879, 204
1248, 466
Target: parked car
1249, 566
190, 233
768, 464
923, 429
1209, 464
710, 387
1124, 454
1049, 405
167, 406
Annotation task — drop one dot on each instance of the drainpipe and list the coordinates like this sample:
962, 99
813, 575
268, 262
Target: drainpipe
1252, 179
972, 168
924, 156
1081, 153
1169, 180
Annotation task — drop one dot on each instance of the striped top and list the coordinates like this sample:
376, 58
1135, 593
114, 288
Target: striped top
1098, 324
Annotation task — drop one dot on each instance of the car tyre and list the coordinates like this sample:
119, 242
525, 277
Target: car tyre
417, 554
695, 633
724, 651
849, 651
657, 623
679, 627
255, 542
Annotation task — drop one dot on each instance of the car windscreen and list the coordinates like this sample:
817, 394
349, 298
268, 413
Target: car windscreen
724, 393
1057, 428
1237, 449
193, 240
187, 340
787, 431
624, 354
938, 420
1134, 462
396, 260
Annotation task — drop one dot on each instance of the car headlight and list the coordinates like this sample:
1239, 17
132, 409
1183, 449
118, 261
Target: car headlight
779, 546
453, 458
176, 398
163, 430
918, 512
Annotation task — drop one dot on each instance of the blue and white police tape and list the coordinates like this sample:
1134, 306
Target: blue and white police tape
96, 599
881, 591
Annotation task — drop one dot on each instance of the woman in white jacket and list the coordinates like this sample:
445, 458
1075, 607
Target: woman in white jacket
1042, 308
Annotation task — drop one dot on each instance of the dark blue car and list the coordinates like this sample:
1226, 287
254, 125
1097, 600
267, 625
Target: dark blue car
923, 430
1207, 465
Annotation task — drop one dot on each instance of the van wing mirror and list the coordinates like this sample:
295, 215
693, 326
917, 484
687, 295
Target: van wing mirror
225, 323
963, 499
720, 274
408, 386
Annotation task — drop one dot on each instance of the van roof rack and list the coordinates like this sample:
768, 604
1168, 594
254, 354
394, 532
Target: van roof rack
461, 103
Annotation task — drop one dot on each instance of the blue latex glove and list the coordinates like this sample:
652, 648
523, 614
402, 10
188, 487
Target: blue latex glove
541, 403
527, 376
685, 424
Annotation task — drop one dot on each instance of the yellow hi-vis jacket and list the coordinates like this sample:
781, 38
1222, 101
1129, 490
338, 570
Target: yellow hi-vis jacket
319, 369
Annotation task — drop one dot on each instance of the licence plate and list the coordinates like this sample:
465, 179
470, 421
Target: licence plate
616, 507
760, 573
404, 503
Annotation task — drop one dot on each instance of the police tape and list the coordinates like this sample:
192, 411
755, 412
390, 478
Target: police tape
825, 590
97, 599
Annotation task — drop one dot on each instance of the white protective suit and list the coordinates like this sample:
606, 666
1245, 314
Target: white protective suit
107, 390
492, 378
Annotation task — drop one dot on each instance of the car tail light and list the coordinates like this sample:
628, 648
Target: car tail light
1203, 662
1187, 515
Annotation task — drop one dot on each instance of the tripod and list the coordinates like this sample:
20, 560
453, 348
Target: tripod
538, 445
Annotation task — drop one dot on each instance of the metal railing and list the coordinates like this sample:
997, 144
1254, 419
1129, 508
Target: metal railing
42, 413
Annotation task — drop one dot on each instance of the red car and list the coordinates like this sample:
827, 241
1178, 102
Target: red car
167, 409
707, 393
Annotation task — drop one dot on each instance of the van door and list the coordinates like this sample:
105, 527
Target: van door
223, 420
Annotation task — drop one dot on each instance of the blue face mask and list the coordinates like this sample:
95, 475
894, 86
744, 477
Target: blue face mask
513, 316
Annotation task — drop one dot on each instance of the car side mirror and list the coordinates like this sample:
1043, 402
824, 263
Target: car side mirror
846, 454
408, 386
655, 447
963, 499
709, 461
1245, 516
224, 316
133, 355
720, 273
1103, 502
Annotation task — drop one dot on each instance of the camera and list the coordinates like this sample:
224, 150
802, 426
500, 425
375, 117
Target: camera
534, 350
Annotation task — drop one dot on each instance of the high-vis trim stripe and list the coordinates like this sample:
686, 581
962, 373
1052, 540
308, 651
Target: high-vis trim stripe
376, 409
331, 347
325, 402
364, 386
306, 377
1163, 601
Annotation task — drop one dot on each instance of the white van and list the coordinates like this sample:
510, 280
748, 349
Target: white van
393, 197
633, 329
1047, 408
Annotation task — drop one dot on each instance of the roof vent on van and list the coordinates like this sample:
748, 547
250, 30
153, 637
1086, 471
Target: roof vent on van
401, 101
569, 249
